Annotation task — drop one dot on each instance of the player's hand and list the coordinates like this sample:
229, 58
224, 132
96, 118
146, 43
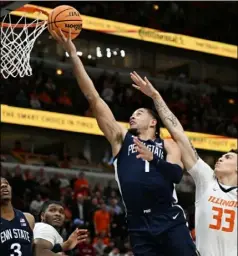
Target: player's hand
143, 151
78, 236
144, 86
67, 43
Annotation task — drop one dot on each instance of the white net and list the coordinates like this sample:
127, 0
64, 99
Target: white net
16, 45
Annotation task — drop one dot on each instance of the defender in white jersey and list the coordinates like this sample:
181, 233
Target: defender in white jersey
46, 233
216, 209
216, 191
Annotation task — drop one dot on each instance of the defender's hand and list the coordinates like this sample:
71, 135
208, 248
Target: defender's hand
78, 236
67, 43
143, 85
143, 151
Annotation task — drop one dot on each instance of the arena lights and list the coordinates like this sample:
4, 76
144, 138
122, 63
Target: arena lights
123, 54
156, 7
59, 72
231, 101
109, 53
98, 52
78, 53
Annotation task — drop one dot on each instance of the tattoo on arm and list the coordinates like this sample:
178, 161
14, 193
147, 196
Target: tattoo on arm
165, 114
194, 150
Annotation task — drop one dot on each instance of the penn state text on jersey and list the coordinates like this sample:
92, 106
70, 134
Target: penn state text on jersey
144, 189
16, 236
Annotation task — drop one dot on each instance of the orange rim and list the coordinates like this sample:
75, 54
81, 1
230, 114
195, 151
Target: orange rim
29, 9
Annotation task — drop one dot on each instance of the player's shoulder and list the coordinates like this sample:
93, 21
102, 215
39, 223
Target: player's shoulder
201, 165
30, 218
43, 226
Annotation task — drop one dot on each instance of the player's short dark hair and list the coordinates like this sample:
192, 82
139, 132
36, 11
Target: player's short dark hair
1, 177
234, 151
156, 117
47, 203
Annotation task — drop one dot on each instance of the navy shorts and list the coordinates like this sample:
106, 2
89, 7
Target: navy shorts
165, 234
173, 242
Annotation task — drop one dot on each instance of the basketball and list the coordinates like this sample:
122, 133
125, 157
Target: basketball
66, 18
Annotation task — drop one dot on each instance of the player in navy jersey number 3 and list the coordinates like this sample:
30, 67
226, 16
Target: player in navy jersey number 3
156, 223
16, 227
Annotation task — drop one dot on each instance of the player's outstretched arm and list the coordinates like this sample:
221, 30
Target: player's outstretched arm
46, 248
106, 121
189, 154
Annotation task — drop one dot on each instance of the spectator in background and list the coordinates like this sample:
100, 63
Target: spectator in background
82, 159
107, 92
52, 161
18, 188
108, 189
85, 249
34, 101
99, 197
64, 100
129, 253
99, 247
18, 147
21, 99
30, 181
46, 100
109, 247
114, 252
114, 207
81, 210
103, 236
55, 188
81, 185
102, 220
92, 209
42, 178
126, 248
66, 162
36, 205
64, 182
98, 187
50, 87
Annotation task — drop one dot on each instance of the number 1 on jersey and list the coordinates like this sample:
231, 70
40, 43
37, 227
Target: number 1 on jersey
147, 166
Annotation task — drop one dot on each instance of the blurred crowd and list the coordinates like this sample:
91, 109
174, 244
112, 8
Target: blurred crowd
99, 209
199, 111
198, 19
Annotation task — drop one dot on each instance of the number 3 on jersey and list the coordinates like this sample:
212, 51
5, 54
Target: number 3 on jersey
16, 249
223, 216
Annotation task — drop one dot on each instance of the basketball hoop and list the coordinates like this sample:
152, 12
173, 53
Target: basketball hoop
17, 41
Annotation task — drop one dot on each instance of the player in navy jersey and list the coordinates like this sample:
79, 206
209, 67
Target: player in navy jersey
16, 227
16, 231
156, 223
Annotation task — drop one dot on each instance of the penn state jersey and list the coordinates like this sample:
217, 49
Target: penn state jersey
16, 236
141, 186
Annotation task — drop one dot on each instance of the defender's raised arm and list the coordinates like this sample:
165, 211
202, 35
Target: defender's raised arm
189, 154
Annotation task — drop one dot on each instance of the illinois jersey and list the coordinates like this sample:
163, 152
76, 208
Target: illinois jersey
216, 213
16, 236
